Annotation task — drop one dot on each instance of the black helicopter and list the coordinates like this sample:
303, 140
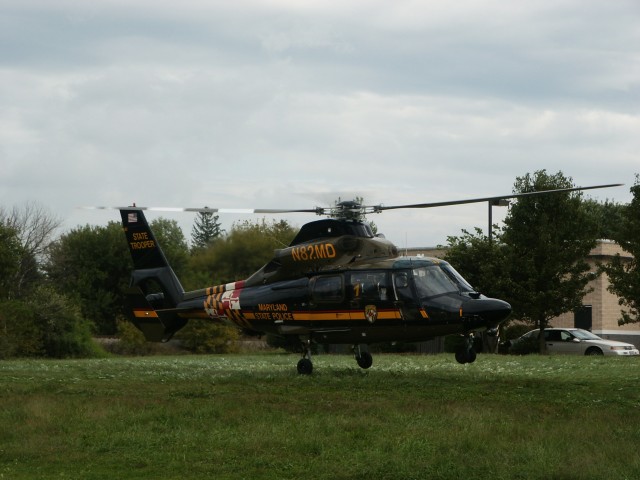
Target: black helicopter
336, 283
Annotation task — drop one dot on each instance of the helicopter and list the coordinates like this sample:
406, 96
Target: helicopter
335, 283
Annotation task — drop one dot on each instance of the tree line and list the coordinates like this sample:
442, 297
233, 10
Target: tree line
537, 259
56, 293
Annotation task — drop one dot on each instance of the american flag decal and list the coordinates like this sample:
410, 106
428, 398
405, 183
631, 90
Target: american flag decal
132, 218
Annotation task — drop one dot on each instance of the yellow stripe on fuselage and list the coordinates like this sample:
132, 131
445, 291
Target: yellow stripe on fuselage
333, 315
145, 313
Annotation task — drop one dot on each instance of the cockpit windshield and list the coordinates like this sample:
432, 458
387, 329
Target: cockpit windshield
462, 283
438, 280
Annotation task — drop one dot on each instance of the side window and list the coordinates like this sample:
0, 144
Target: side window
402, 289
327, 289
369, 285
552, 335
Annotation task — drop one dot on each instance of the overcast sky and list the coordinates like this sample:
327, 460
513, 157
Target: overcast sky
292, 103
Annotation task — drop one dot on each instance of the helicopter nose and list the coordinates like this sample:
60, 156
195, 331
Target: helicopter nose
491, 310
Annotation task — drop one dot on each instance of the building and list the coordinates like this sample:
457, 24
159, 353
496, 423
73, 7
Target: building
600, 308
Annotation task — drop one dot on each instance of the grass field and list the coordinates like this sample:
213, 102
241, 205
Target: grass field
254, 417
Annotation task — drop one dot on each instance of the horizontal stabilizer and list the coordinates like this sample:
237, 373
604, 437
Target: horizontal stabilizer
156, 325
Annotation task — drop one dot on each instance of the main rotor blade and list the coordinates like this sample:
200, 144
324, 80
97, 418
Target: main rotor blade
363, 208
209, 210
494, 198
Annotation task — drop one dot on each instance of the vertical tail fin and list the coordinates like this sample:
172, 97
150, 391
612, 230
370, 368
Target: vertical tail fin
155, 290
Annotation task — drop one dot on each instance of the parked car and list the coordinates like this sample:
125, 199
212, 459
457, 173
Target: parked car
571, 341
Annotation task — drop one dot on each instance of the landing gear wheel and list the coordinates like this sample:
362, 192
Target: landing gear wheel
362, 355
461, 356
466, 354
305, 366
471, 356
365, 360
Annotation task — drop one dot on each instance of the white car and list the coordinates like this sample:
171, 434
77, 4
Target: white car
577, 341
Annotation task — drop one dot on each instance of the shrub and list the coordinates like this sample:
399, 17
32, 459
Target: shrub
64, 332
204, 336
45, 324
20, 334
131, 341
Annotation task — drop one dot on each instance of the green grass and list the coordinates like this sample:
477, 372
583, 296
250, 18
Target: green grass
254, 417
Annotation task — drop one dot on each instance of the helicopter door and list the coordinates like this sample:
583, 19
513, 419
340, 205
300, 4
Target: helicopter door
404, 296
327, 295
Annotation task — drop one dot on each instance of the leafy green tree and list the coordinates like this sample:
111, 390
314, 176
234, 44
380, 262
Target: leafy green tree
34, 227
10, 253
92, 265
238, 254
548, 239
35, 320
44, 324
206, 229
20, 334
624, 274
65, 333
482, 262
608, 215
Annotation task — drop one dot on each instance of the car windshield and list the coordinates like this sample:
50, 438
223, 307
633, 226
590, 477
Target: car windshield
584, 335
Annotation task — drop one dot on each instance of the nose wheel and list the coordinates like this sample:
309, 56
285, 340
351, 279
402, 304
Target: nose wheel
467, 353
363, 357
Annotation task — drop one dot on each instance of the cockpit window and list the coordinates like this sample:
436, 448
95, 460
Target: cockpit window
438, 280
462, 283
432, 281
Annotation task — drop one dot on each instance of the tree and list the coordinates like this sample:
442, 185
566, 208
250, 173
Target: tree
34, 227
238, 254
608, 215
548, 238
206, 229
482, 262
624, 275
10, 253
34, 319
92, 265
44, 324
20, 334
65, 333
